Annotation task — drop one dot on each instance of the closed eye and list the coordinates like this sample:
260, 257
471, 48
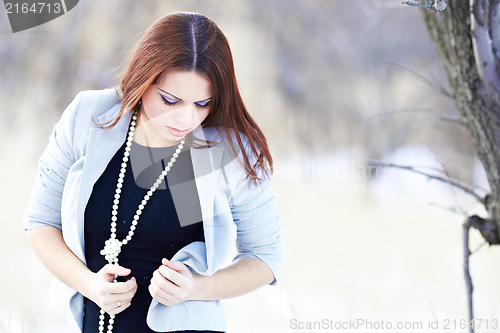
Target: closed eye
168, 101
202, 105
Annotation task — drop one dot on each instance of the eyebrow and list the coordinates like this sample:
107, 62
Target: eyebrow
179, 99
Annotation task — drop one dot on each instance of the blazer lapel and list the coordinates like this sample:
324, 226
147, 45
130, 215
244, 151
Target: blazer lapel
101, 147
206, 169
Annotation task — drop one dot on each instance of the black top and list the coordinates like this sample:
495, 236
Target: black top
158, 234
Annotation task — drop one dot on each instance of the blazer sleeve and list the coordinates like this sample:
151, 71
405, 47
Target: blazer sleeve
255, 214
44, 207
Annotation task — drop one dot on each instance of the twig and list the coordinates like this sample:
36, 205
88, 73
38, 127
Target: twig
451, 209
433, 112
479, 247
453, 120
424, 80
403, 110
468, 281
411, 3
442, 179
438, 6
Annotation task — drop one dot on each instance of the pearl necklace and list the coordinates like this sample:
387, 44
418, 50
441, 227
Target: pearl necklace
113, 246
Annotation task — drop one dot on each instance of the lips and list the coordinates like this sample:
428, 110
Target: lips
176, 132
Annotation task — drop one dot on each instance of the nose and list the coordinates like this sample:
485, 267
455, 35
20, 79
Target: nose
184, 115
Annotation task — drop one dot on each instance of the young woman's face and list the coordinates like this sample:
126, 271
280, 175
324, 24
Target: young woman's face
172, 108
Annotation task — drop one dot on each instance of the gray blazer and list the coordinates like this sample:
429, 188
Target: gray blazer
234, 210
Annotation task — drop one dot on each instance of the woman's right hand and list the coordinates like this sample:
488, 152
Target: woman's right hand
106, 294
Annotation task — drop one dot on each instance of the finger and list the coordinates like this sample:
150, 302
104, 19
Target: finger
175, 265
172, 275
160, 295
123, 287
162, 286
164, 283
117, 309
113, 299
115, 270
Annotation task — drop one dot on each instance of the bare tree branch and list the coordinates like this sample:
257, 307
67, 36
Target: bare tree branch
425, 80
457, 121
403, 110
434, 5
468, 281
451, 209
456, 184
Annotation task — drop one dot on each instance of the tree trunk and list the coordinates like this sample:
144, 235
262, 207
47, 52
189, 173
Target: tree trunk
467, 38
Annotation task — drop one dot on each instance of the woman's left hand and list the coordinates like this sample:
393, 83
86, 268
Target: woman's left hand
172, 283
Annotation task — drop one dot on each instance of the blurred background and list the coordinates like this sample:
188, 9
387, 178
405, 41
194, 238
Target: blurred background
332, 84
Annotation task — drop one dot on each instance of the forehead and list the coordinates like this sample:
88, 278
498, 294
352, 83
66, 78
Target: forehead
186, 85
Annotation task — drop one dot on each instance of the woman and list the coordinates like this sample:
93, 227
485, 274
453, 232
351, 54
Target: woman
143, 191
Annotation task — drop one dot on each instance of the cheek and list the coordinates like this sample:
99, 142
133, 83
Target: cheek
155, 111
152, 106
202, 115
151, 110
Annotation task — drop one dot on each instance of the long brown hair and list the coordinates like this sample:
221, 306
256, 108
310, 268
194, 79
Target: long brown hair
189, 41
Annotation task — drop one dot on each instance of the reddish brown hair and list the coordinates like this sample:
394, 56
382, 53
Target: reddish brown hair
193, 42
